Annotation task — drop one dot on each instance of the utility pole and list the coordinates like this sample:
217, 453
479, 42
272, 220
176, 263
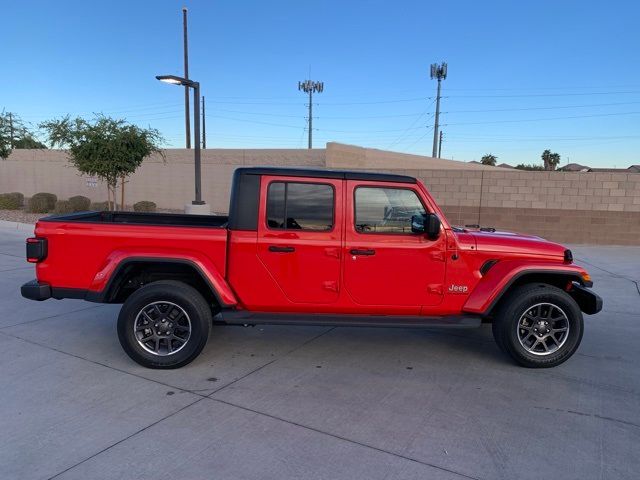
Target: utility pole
440, 145
438, 72
309, 87
187, 122
204, 126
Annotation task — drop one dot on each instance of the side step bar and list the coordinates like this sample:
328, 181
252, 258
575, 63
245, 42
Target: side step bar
241, 317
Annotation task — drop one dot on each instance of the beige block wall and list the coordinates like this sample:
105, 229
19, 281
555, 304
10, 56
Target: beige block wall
542, 190
168, 182
564, 206
341, 156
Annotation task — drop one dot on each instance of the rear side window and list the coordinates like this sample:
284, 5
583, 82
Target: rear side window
300, 206
385, 210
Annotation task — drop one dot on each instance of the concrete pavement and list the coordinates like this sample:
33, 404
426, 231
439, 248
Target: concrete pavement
315, 403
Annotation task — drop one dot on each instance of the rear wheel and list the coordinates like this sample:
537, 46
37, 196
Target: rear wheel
538, 326
164, 324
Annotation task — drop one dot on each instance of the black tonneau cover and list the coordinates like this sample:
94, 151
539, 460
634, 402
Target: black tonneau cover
143, 218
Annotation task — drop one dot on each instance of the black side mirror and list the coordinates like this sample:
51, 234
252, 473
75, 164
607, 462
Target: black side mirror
429, 224
417, 223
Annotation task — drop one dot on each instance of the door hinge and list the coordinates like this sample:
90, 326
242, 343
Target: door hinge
435, 288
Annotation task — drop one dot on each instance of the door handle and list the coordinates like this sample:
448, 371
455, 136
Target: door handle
357, 251
273, 248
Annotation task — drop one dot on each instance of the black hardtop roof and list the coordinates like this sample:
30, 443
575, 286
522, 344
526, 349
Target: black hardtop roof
319, 173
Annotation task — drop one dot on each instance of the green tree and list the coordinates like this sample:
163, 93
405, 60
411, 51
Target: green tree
5, 147
110, 149
15, 135
526, 166
26, 140
489, 159
550, 160
7, 134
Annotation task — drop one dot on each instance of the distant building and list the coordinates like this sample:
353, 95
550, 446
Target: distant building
502, 165
631, 169
574, 167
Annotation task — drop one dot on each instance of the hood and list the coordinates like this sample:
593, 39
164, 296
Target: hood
510, 242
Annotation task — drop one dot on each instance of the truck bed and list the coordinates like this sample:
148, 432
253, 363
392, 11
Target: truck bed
142, 218
83, 248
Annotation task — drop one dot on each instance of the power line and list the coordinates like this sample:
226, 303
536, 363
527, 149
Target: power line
304, 130
420, 138
258, 122
558, 107
463, 140
410, 127
315, 129
375, 102
368, 130
131, 109
330, 117
565, 87
142, 111
536, 137
414, 91
401, 115
378, 102
545, 119
546, 94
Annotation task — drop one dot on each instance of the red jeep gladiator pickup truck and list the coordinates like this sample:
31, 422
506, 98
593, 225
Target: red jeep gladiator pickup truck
312, 247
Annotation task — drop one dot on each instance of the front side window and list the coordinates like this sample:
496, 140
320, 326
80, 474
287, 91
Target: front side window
385, 210
300, 206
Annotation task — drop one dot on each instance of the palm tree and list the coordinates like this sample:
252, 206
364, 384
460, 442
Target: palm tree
489, 159
551, 160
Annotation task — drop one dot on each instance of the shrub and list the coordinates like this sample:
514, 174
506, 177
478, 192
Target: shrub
80, 203
42, 203
11, 201
99, 206
144, 206
63, 206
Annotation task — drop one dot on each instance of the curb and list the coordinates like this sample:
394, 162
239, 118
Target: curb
23, 227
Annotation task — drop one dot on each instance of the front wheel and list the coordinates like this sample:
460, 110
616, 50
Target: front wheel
164, 324
538, 326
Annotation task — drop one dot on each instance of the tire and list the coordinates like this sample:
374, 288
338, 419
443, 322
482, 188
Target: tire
520, 330
183, 318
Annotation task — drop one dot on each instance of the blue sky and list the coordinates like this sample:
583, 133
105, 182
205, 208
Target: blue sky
523, 76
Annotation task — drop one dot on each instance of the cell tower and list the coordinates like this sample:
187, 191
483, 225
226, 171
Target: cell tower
438, 72
310, 87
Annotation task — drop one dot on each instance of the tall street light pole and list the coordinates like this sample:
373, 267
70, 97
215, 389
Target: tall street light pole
197, 206
309, 87
204, 126
438, 72
185, 45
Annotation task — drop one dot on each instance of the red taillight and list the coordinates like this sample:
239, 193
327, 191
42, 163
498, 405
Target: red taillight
36, 249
